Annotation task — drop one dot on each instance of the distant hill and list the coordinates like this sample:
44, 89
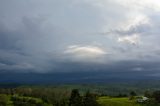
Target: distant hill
73, 77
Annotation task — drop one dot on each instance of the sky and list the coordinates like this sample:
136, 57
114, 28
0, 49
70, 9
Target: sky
47, 36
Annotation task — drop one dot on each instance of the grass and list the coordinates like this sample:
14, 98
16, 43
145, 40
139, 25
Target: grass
107, 101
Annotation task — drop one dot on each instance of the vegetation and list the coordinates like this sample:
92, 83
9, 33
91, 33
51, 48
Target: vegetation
90, 99
65, 96
75, 99
26, 96
3, 100
109, 101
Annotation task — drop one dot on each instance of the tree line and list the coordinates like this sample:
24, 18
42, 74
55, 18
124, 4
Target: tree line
48, 96
26, 96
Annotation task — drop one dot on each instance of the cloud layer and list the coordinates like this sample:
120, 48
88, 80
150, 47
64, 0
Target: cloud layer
73, 35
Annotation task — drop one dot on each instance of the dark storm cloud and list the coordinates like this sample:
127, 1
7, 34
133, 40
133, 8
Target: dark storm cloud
24, 48
52, 36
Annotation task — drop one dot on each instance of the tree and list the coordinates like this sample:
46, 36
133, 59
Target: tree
75, 99
156, 96
89, 99
132, 93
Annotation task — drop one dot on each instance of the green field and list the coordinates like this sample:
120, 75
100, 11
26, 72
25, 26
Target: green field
108, 101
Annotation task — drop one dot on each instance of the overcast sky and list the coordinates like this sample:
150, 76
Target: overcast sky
80, 35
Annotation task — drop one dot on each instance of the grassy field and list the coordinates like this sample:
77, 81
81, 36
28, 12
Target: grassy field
107, 101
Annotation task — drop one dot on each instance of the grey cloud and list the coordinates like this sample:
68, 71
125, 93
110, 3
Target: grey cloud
26, 46
35, 34
138, 29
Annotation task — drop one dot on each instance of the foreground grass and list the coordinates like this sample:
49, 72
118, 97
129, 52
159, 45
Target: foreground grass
107, 101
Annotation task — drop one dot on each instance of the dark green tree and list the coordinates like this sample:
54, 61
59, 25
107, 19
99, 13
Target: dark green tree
89, 99
75, 99
133, 93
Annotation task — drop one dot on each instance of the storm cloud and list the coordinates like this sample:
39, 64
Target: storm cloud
80, 35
